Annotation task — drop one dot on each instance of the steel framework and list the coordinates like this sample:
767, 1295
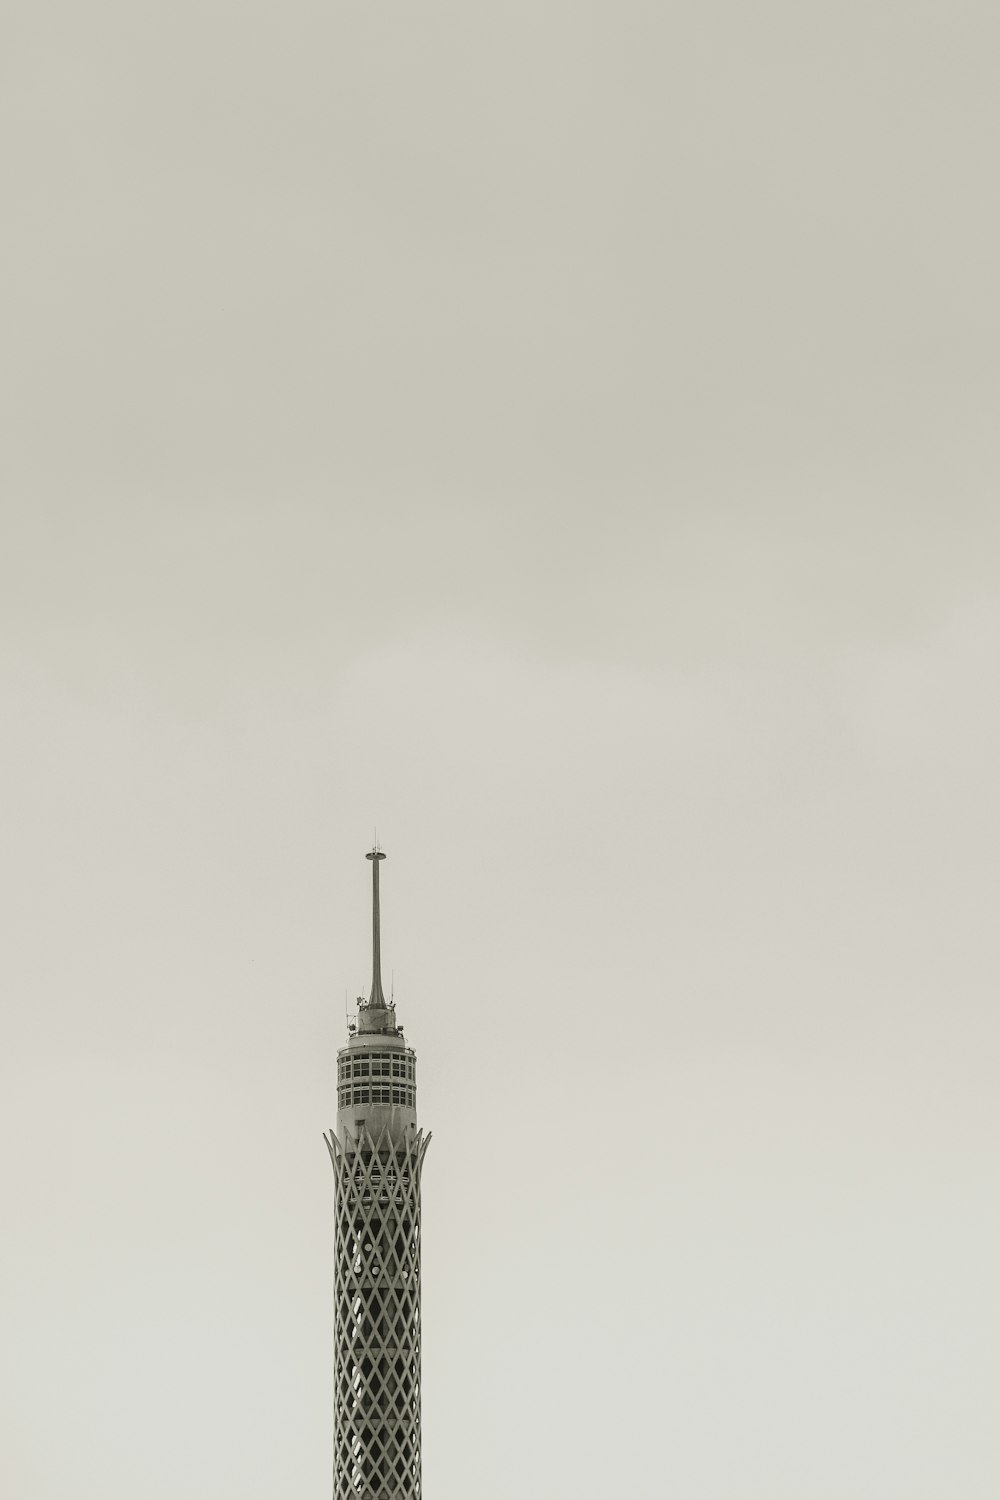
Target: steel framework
377, 1328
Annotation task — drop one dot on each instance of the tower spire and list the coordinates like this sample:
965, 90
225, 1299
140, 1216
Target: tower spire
376, 998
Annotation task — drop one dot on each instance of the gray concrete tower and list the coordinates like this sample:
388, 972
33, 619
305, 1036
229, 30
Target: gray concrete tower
377, 1153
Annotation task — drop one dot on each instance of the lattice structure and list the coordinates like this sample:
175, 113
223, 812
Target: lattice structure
377, 1291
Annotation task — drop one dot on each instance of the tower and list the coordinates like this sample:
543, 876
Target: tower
377, 1152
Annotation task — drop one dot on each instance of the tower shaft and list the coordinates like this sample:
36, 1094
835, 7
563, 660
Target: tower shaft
377, 1153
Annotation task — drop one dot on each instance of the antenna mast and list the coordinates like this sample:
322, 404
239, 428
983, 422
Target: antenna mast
377, 997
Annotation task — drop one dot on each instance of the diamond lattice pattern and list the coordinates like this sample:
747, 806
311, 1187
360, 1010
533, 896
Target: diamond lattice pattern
377, 1330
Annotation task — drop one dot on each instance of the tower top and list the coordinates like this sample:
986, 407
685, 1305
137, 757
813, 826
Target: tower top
376, 1000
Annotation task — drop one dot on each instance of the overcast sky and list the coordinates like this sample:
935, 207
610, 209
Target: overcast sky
566, 437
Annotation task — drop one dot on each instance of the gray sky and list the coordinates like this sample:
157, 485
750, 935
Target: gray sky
566, 437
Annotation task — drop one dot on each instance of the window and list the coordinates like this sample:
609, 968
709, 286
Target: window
361, 1096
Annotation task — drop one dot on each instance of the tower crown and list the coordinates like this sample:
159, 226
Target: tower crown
376, 1070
